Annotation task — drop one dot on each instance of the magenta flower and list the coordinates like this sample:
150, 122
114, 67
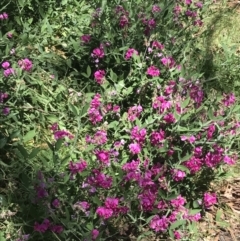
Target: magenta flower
4, 16
8, 72
56, 228
209, 199
157, 137
188, 2
157, 45
156, 8
153, 71
86, 38
177, 235
134, 112
77, 167
25, 64
54, 126
159, 224
63, 133
43, 227
99, 76
103, 156
6, 110
199, 4
168, 62
123, 21
9, 35
111, 203
178, 175
6, 65
104, 212
95, 234
98, 53
169, 118
178, 202
229, 99
135, 148
228, 160
130, 52
56, 203
100, 137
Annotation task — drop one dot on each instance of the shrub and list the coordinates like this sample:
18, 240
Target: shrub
132, 136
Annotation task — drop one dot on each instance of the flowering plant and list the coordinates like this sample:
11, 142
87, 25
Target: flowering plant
132, 136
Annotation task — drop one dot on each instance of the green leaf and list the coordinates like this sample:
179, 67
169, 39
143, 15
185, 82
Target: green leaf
177, 224
88, 71
186, 158
34, 152
236, 108
3, 142
2, 236
23, 151
59, 144
96, 200
29, 136
74, 109
194, 211
185, 103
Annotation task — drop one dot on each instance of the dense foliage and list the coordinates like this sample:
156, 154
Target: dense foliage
106, 129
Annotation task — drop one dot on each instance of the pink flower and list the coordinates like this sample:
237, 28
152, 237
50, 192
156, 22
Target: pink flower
177, 235
99, 76
95, 234
159, 224
6, 65
199, 4
169, 118
229, 99
4, 16
138, 134
103, 156
157, 45
100, 137
188, 2
161, 104
43, 227
135, 148
111, 203
8, 72
77, 167
61, 134
56, 203
83, 206
98, 53
134, 112
9, 35
209, 199
130, 53
123, 21
25, 64
6, 110
156, 8
86, 38
153, 71
178, 202
131, 166
104, 212
178, 175
228, 160
168, 61
157, 137
54, 126
56, 228
190, 139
